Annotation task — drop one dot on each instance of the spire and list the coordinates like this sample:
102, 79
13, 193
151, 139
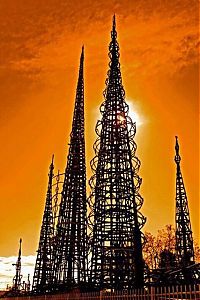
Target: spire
115, 220
80, 78
184, 240
177, 157
17, 278
114, 22
114, 32
42, 273
20, 249
82, 56
114, 52
70, 263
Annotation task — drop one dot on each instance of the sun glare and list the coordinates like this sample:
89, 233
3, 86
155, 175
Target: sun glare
133, 113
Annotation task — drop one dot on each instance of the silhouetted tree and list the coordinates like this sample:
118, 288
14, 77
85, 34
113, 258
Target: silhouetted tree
159, 250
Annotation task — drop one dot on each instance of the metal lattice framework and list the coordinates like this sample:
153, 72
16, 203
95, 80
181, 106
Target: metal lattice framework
43, 270
17, 284
184, 240
114, 218
189, 271
70, 255
57, 185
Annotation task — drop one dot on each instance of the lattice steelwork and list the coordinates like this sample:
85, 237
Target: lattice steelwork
70, 257
184, 240
57, 185
17, 284
43, 270
115, 220
189, 271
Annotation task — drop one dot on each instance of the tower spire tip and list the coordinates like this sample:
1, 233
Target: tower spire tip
114, 21
177, 157
82, 52
177, 145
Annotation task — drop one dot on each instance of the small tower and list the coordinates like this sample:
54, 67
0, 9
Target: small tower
42, 273
115, 220
184, 240
70, 257
17, 278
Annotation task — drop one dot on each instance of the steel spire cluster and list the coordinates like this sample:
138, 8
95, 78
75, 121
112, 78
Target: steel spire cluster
115, 220
110, 237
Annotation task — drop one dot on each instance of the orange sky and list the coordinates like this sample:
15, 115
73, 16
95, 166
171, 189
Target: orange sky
40, 44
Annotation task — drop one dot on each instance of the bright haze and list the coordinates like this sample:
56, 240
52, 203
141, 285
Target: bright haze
40, 44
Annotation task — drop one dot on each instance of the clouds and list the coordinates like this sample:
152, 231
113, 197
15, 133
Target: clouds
166, 41
7, 269
29, 28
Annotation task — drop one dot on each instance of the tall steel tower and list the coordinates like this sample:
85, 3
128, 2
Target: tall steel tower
116, 238
17, 278
43, 271
184, 240
70, 257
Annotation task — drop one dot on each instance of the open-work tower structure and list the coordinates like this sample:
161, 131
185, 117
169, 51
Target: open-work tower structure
184, 239
70, 255
43, 266
116, 261
18, 277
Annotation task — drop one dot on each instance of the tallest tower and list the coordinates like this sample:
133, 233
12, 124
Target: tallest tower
116, 239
